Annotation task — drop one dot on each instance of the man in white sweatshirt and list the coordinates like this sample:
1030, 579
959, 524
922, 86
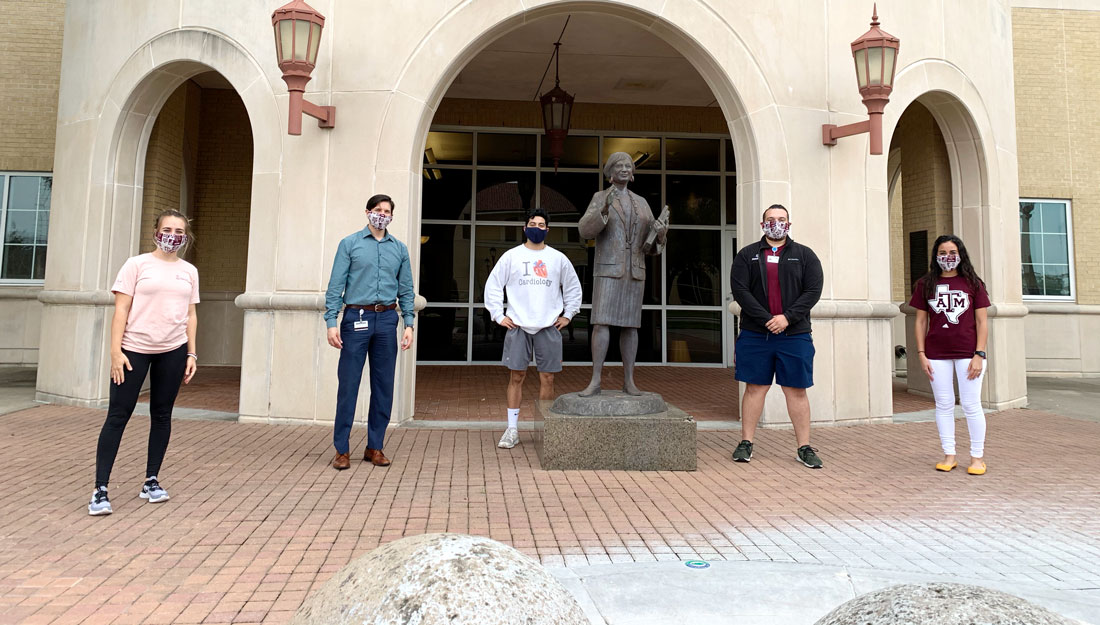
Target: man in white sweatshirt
544, 293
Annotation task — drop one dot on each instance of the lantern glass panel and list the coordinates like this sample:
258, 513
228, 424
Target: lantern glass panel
286, 40
301, 39
888, 67
861, 68
874, 65
314, 42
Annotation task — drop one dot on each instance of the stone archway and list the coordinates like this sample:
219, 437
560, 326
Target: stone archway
109, 217
983, 213
713, 48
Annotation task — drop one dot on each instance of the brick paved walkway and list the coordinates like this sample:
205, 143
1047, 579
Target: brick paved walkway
257, 519
476, 393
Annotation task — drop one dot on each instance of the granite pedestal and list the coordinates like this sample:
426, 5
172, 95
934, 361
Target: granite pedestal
615, 431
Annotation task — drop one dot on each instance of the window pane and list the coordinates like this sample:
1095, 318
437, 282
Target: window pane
1055, 249
23, 192
692, 154
1030, 217
43, 227
649, 187
693, 200
731, 200
731, 163
449, 148
575, 339
578, 152
1033, 280
694, 336
18, 262
39, 262
504, 195
1054, 218
505, 149
1057, 280
447, 194
565, 196
492, 242
692, 259
649, 343
20, 226
442, 333
488, 337
445, 263
645, 152
1031, 248
568, 241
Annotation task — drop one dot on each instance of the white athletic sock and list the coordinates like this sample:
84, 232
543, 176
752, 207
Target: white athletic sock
513, 417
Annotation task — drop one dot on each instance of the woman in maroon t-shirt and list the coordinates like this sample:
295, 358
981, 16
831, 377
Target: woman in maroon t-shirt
951, 332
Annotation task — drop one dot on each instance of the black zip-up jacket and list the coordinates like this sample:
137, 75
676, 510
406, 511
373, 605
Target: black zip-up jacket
800, 280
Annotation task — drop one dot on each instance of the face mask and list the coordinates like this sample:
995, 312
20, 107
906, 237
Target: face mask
379, 220
535, 235
776, 230
947, 263
169, 243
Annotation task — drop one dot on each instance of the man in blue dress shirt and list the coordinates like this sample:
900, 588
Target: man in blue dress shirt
371, 276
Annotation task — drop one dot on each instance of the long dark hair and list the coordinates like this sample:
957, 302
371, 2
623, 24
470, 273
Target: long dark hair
965, 269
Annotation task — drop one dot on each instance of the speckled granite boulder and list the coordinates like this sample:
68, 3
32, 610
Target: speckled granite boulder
437, 579
940, 604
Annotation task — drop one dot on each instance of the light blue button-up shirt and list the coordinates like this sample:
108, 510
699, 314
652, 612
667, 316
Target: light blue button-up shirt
369, 271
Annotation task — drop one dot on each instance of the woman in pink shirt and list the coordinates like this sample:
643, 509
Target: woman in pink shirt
152, 332
951, 331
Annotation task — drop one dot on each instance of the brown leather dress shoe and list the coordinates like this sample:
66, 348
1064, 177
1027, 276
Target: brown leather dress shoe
375, 457
341, 462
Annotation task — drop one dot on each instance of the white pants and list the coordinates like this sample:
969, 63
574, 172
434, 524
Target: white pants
970, 396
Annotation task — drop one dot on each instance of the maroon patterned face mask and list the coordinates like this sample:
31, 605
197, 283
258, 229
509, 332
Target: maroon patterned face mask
776, 230
169, 243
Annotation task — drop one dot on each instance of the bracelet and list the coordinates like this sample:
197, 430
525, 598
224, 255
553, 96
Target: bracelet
920, 351
195, 356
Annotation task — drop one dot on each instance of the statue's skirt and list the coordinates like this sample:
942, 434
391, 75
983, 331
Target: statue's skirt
617, 302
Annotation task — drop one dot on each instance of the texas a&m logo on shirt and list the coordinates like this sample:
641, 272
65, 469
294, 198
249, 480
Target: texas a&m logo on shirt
951, 304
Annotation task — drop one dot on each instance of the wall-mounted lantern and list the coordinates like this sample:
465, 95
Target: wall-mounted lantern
876, 54
297, 38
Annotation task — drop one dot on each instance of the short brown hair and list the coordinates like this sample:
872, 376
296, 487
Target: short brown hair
779, 206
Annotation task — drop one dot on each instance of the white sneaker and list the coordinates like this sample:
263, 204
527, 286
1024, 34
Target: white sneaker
152, 491
100, 505
510, 439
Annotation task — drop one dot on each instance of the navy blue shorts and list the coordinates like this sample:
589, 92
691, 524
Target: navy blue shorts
760, 357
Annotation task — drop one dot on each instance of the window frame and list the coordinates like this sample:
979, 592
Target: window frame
1072, 297
5, 179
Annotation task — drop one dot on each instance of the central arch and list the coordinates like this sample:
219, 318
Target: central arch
713, 48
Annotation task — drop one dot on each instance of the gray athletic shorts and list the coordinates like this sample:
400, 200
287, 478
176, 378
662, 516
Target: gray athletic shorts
546, 345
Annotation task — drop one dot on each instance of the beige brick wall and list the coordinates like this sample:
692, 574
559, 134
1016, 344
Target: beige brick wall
924, 187
30, 62
223, 191
199, 161
1058, 124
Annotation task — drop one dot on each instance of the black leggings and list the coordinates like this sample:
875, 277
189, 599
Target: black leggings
165, 376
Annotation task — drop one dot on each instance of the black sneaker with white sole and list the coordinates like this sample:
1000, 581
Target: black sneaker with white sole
808, 456
743, 453
152, 491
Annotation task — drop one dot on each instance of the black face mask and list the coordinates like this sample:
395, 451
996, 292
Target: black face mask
535, 235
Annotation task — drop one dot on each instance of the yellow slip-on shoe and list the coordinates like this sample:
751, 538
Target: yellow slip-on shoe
976, 470
946, 467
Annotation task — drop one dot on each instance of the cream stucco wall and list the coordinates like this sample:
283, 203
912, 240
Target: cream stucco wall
776, 78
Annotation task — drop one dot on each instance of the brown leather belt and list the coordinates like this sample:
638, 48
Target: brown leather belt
374, 307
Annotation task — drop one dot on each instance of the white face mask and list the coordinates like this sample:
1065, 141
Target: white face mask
948, 262
379, 220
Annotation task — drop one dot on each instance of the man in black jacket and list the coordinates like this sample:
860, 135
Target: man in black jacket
776, 281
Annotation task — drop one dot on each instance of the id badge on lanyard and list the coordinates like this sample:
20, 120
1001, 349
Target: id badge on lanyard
362, 324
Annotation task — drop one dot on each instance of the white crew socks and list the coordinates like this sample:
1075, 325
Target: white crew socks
513, 417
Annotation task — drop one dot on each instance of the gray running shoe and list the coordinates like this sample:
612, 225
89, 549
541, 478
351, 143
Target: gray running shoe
808, 456
510, 439
100, 505
743, 453
152, 491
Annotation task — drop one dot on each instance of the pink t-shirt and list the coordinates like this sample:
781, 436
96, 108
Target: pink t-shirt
163, 292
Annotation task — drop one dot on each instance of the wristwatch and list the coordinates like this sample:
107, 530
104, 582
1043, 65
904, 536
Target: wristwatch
980, 353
